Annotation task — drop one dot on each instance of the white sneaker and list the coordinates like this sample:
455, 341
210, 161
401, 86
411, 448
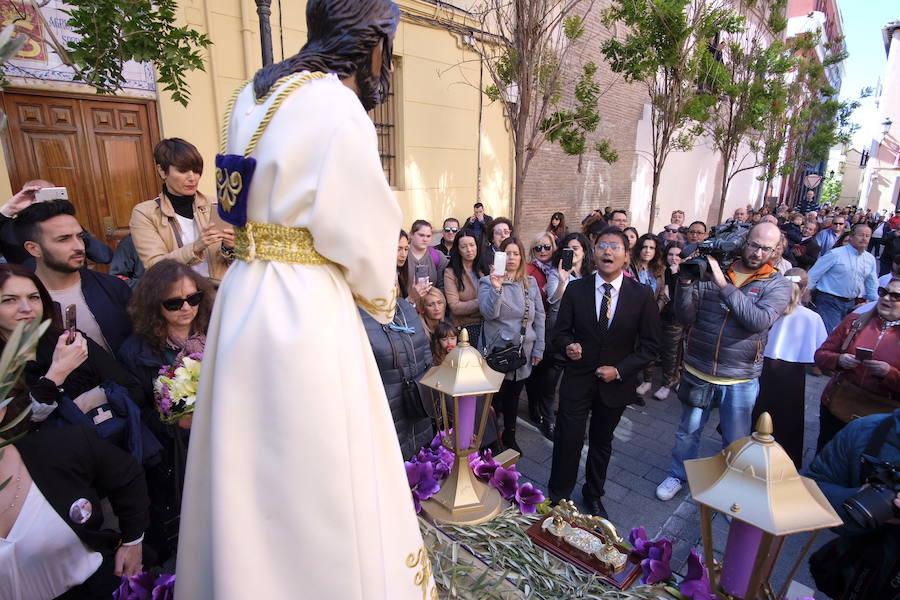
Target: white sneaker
643, 388
662, 393
668, 488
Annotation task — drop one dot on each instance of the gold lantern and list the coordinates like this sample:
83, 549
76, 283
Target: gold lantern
462, 378
755, 482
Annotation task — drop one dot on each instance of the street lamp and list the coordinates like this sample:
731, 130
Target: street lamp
462, 378
755, 482
886, 127
264, 10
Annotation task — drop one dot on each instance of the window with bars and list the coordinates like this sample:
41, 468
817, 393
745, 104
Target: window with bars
385, 118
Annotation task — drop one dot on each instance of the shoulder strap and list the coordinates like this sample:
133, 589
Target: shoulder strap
858, 324
525, 317
173, 224
435, 257
879, 436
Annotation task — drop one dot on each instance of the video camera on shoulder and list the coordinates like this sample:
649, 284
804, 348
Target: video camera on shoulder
724, 244
872, 506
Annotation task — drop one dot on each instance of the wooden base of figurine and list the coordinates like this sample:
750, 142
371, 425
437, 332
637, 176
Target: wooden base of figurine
586, 562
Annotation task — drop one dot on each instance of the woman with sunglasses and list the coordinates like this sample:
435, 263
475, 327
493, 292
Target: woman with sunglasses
864, 354
557, 227
539, 266
170, 310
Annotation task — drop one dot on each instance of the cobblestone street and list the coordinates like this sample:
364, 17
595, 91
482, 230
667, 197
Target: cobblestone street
641, 454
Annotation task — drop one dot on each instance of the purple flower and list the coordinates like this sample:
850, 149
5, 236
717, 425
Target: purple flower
436, 441
638, 539
695, 584
506, 481
528, 498
656, 566
483, 466
420, 476
164, 587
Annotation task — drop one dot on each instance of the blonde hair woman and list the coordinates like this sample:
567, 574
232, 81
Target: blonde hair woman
432, 309
792, 344
507, 302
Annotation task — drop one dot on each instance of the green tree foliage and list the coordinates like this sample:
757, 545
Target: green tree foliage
666, 49
831, 190
750, 90
116, 31
526, 54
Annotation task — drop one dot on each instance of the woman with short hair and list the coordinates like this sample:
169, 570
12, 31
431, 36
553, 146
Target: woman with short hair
432, 309
181, 223
510, 301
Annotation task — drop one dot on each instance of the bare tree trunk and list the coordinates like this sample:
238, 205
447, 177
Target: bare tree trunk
723, 193
657, 172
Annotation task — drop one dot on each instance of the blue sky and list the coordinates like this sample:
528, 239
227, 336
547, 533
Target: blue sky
863, 20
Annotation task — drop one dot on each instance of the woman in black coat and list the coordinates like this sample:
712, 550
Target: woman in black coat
170, 310
55, 543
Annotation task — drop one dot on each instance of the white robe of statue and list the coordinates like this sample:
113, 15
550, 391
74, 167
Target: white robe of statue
295, 484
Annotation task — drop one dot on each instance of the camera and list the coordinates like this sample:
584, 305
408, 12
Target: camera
872, 506
724, 244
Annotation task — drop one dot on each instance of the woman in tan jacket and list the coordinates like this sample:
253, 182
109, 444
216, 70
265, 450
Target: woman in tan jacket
181, 223
461, 283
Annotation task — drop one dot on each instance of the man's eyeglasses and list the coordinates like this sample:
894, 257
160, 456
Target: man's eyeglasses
836, 223
894, 296
611, 245
173, 304
764, 249
544, 247
451, 229
671, 229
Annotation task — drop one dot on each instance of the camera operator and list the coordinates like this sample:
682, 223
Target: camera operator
730, 317
857, 472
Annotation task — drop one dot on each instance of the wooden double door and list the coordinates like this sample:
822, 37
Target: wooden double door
100, 149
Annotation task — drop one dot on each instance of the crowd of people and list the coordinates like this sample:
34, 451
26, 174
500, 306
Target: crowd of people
583, 319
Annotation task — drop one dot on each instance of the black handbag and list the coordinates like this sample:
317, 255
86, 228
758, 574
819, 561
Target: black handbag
511, 357
416, 400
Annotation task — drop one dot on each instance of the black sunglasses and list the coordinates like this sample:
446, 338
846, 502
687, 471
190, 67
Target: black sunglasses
894, 296
671, 230
173, 304
449, 229
544, 247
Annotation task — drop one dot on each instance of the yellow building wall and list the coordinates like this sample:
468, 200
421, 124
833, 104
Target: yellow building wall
437, 116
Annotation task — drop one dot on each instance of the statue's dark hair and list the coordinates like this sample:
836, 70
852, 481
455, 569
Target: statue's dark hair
342, 36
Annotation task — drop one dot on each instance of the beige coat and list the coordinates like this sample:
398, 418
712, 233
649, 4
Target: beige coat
154, 238
462, 305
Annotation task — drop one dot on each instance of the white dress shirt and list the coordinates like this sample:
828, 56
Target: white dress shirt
614, 293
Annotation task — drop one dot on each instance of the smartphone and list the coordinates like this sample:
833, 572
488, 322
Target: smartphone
422, 274
51, 193
70, 323
864, 353
499, 263
567, 256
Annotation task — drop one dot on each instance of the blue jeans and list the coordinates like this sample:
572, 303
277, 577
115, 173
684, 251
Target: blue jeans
832, 309
735, 403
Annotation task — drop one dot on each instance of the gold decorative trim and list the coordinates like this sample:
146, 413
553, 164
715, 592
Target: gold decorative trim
226, 123
378, 306
228, 188
276, 104
422, 577
277, 243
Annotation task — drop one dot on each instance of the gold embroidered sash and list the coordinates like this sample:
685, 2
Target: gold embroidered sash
277, 243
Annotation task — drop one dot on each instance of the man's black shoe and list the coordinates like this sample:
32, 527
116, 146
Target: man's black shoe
548, 429
595, 507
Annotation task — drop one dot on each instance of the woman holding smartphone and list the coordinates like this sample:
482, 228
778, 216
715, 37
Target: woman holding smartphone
510, 300
461, 283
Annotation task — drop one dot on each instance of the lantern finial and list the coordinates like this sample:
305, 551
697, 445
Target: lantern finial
464, 337
764, 429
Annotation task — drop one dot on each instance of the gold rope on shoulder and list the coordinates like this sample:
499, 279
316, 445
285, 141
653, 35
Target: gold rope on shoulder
282, 95
229, 108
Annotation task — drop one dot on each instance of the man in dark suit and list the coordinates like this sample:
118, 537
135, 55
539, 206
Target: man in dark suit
609, 330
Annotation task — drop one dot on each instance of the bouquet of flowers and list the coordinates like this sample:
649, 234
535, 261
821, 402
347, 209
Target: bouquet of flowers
175, 388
